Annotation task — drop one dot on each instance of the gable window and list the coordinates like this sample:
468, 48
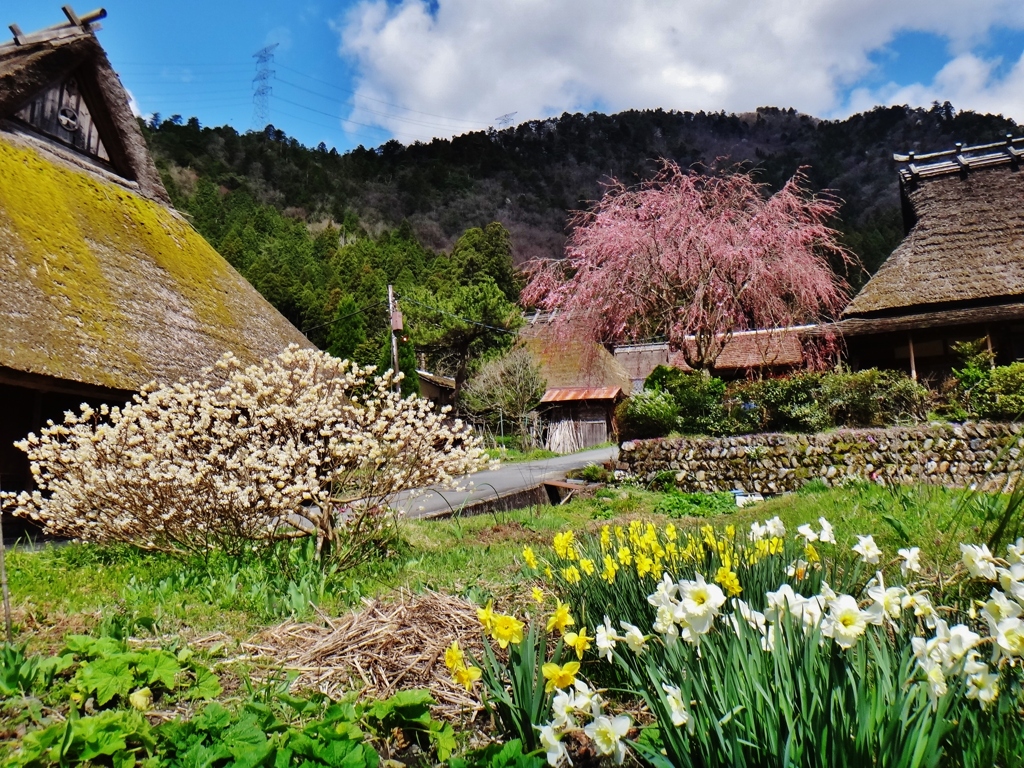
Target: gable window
62, 113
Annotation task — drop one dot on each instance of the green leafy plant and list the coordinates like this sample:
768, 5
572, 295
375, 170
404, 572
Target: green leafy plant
507, 755
648, 413
677, 504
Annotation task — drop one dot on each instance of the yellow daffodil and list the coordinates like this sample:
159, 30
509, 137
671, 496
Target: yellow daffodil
587, 566
571, 574
729, 580
610, 569
563, 545
606, 538
560, 619
466, 676
454, 657
811, 554
507, 629
560, 677
486, 616
730, 531
578, 641
625, 556
644, 565
538, 595
548, 573
670, 532
529, 558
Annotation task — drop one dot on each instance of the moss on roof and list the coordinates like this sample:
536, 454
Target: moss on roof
102, 286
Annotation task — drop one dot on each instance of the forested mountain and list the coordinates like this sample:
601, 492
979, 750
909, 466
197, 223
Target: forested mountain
315, 230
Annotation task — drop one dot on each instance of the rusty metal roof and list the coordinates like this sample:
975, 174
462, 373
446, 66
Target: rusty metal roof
565, 394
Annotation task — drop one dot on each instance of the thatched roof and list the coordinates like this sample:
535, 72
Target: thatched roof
568, 362
100, 282
45, 59
965, 215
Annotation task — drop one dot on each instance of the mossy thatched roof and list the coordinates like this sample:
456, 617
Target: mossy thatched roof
965, 245
103, 286
27, 69
568, 362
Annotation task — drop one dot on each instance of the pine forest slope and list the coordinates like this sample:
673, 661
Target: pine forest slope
265, 201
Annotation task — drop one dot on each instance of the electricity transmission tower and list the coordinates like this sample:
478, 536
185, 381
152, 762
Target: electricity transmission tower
261, 86
505, 120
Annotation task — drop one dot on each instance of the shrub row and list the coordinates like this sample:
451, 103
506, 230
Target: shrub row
693, 403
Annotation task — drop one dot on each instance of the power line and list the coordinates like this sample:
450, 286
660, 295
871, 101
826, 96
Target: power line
459, 317
369, 111
344, 119
381, 101
346, 317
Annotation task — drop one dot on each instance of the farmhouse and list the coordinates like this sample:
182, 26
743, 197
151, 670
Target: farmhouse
103, 286
958, 275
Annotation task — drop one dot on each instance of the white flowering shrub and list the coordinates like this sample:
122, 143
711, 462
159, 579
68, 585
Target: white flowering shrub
304, 444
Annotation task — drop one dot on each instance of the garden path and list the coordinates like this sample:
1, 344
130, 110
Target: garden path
508, 478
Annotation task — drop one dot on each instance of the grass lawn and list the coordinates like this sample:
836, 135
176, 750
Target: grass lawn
117, 591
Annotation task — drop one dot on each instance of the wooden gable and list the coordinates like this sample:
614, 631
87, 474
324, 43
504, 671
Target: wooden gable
62, 112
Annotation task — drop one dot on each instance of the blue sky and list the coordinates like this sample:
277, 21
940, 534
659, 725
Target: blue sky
349, 73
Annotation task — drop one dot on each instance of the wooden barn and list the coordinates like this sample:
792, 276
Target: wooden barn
584, 384
103, 286
958, 275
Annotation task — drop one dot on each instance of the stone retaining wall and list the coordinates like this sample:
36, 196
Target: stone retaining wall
959, 455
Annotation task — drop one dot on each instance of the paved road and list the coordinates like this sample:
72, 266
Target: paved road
506, 479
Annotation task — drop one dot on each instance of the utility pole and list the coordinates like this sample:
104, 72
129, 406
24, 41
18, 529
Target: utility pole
396, 326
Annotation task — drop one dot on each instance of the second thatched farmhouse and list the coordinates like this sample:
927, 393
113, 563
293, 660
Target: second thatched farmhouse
958, 275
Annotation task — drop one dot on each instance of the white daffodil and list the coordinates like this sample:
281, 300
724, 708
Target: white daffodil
983, 686
757, 532
845, 622
923, 608
997, 608
886, 602
604, 639
551, 741
961, 640
607, 734
1010, 637
807, 533
666, 592
1015, 551
1012, 581
910, 561
782, 602
634, 638
868, 550
776, 528
678, 712
700, 603
827, 535
935, 678
978, 561
562, 709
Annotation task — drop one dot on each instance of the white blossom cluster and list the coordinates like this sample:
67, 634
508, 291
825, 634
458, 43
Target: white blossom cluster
301, 444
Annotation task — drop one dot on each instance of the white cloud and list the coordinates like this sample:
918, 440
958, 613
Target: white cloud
470, 61
967, 81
